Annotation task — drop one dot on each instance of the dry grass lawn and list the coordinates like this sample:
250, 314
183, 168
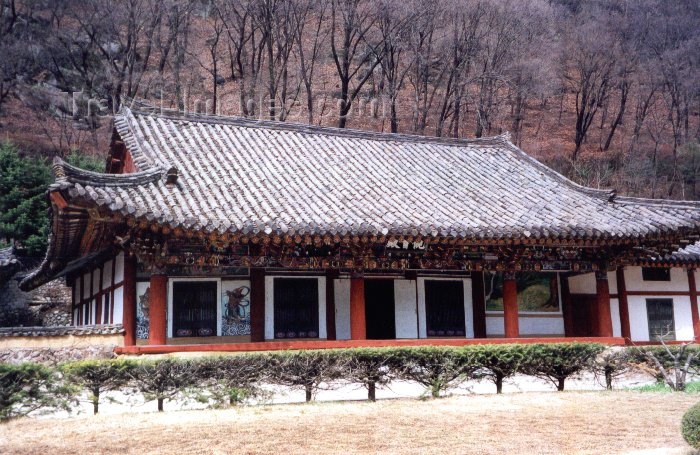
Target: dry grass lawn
542, 423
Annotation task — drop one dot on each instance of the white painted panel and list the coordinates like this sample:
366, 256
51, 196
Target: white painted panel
468, 308
682, 318
697, 279
341, 290
422, 325
75, 317
634, 281
527, 326
322, 329
494, 326
93, 312
119, 268
107, 275
118, 305
615, 316
405, 309
269, 308
86, 285
96, 281
639, 325
582, 284
612, 282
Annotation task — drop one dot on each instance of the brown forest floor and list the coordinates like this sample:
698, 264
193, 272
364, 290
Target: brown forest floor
569, 422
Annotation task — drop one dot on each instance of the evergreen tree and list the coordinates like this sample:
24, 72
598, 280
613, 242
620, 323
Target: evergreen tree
23, 204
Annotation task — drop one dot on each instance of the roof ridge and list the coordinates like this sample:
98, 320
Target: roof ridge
69, 173
142, 108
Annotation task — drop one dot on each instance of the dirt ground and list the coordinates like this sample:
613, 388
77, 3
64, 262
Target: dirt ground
541, 423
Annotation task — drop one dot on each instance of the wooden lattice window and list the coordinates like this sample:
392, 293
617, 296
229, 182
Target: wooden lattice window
660, 319
444, 308
296, 307
194, 308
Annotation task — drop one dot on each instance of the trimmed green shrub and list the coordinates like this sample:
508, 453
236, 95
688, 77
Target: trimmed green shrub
436, 368
690, 426
558, 361
368, 367
98, 376
164, 379
612, 363
303, 369
498, 362
32, 387
232, 379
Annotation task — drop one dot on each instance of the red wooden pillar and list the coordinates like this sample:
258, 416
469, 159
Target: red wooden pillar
358, 325
692, 287
129, 314
257, 304
604, 320
625, 330
510, 306
567, 306
158, 309
331, 275
478, 305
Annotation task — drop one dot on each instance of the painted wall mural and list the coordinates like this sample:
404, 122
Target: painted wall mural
142, 310
235, 308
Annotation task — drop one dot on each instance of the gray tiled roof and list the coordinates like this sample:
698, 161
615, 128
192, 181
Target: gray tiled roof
246, 176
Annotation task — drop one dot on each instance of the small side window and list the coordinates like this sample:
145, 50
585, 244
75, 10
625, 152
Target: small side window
656, 274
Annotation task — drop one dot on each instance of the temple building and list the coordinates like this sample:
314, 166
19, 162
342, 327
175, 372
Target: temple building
219, 233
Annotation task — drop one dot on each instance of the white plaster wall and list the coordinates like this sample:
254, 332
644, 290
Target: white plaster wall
107, 275
582, 284
95, 281
270, 306
612, 282
615, 316
468, 308
86, 285
341, 291
119, 268
118, 305
634, 282
527, 326
682, 318
405, 309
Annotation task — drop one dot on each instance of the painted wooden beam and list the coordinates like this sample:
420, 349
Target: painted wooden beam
694, 303
603, 318
358, 325
510, 306
478, 305
625, 329
158, 309
129, 306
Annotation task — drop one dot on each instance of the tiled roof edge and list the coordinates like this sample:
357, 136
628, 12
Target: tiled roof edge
66, 173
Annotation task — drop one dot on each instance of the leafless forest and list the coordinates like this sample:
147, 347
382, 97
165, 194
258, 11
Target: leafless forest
607, 92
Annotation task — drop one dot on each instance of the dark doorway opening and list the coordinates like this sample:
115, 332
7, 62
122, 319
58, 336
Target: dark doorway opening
194, 308
379, 309
296, 308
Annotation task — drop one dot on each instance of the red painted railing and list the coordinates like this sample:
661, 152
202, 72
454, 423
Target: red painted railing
339, 344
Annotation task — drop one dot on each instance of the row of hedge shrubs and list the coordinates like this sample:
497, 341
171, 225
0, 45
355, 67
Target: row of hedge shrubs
235, 378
